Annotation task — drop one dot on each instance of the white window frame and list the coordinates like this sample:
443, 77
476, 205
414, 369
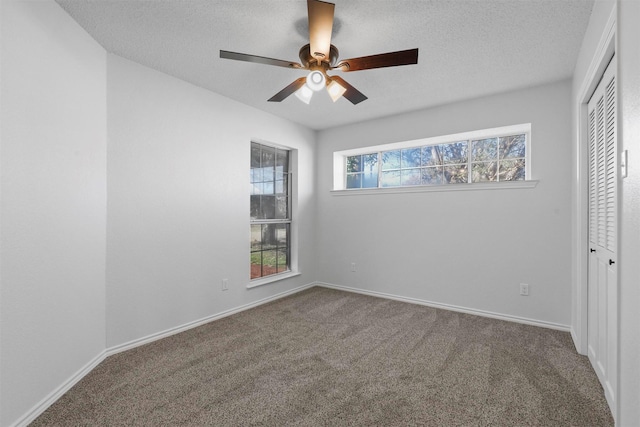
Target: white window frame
292, 221
339, 162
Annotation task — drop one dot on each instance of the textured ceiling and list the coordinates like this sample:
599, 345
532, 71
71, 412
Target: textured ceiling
468, 48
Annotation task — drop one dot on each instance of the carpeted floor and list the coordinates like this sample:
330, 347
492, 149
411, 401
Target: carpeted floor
326, 357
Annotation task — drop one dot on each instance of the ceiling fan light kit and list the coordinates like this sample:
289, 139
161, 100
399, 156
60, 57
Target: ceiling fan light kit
320, 56
304, 94
336, 90
316, 80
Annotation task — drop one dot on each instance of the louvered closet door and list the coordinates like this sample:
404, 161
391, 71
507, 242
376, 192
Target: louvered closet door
603, 188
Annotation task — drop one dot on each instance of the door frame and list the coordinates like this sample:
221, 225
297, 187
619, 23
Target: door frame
607, 47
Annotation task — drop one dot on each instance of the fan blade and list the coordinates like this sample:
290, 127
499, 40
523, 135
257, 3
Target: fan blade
320, 28
297, 84
258, 59
391, 59
352, 94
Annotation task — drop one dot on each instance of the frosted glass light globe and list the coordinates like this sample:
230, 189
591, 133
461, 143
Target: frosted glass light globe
316, 80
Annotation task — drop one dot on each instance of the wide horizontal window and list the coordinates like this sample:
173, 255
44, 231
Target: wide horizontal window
492, 155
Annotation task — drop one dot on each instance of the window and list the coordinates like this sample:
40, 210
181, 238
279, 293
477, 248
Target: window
270, 210
492, 155
362, 171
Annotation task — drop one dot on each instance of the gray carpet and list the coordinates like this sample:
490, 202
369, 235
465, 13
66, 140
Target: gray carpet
326, 357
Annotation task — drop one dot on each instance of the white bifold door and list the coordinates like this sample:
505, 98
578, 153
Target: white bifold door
603, 225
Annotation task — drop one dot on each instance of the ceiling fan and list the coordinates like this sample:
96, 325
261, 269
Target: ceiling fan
320, 56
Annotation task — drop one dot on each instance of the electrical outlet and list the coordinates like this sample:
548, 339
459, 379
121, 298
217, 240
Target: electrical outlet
524, 289
225, 284
353, 266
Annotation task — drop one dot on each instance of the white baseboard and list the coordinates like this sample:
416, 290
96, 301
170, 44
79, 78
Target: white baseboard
42, 406
576, 341
467, 310
176, 330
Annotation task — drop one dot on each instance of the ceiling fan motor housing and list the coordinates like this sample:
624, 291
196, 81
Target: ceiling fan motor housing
310, 62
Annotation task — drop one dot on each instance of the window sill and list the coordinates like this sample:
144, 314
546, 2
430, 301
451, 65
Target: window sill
436, 188
273, 278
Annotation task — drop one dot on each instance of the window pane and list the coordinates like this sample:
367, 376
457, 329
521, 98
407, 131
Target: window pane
512, 146
267, 207
370, 170
268, 174
256, 237
455, 152
269, 249
410, 158
390, 179
282, 261
485, 171
410, 177
256, 265
354, 163
269, 259
257, 188
485, 149
370, 179
282, 207
282, 235
256, 175
268, 163
255, 155
282, 161
269, 239
512, 170
252, 175
391, 160
370, 162
280, 187
255, 207
456, 174
268, 188
280, 173
431, 155
354, 180
432, 175
268, 156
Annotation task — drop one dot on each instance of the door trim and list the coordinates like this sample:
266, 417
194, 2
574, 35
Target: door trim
604, 52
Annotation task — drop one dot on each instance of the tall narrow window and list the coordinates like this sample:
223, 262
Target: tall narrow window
270, 210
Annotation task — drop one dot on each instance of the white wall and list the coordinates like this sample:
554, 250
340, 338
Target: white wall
178, 201
53, 161
629, 314
466, 248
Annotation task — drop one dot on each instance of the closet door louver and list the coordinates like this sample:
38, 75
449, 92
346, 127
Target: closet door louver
601, 188
593, 181
610, 165
602, 170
